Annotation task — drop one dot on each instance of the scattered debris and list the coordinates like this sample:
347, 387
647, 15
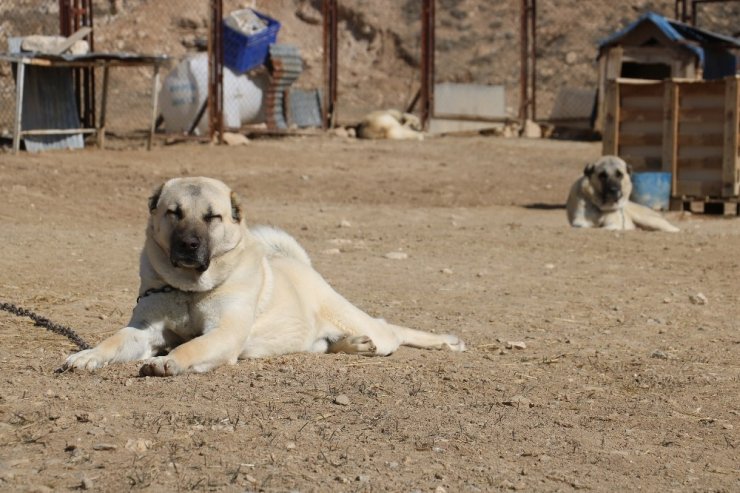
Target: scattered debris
518, 401
446, 270
396, 255
516, 345
659, 354
345, 224
698, 299
331, 251
104, 446
138, 445
235, 139
341, 400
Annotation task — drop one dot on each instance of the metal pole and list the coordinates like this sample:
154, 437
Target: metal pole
155, 101
533, 56
427, 61
215, 73
103, 108
330, 59
523, 61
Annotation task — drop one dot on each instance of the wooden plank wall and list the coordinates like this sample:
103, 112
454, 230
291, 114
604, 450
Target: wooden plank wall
634, 123
688, 127
699, 148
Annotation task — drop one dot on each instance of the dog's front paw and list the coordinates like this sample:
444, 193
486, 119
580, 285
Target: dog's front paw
87, 359
453, 343
161, 366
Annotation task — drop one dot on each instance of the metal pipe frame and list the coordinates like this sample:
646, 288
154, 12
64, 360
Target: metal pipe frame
330, 15
427, 61
216, 73
682, 10
528, 60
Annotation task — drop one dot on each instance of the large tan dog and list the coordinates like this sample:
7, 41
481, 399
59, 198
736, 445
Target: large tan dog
390, 124
213, 291
600, 199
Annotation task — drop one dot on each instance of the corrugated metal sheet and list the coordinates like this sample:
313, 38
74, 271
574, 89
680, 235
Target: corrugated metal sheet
48, 103
285, 66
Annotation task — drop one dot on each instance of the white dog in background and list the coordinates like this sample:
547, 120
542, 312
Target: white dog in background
390, 124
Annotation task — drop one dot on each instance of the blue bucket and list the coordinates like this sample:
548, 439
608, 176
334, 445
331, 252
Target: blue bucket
652, 189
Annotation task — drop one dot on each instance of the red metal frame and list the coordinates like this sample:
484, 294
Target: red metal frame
74, 14
216, 73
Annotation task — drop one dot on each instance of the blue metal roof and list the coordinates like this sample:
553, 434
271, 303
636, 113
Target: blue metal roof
689, 37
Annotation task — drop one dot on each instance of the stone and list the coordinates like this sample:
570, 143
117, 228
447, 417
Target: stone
698, 299
531, 130
235, 139
342, 400
396, 255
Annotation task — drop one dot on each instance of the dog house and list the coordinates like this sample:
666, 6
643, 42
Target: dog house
656, 48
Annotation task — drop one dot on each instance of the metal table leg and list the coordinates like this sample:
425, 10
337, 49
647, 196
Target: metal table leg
19, 85
103, 108
155, 103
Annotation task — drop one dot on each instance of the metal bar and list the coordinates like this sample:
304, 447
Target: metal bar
533, 56
427, 62
65, 131
330, 66
19, 85
215, 72
523, 62
103, 108
155, 101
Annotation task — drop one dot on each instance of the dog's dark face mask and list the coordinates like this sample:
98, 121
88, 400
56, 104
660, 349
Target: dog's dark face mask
610, 183
189, 247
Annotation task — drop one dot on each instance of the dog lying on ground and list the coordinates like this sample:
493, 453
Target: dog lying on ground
600, 199
213, 291
390, 124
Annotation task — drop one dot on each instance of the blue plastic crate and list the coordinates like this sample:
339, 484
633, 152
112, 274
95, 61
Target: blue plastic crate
244, 52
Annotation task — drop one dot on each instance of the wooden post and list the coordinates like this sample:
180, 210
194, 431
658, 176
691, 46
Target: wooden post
611, 119
670, 132
730, 176
19, 86
155, 103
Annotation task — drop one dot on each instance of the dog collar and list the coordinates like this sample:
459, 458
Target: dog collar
164, 289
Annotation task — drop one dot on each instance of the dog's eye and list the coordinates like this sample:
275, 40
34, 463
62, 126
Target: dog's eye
211, 217
175, 212
602, 175
619, 174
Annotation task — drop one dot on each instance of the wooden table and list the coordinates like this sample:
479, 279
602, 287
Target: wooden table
90, 60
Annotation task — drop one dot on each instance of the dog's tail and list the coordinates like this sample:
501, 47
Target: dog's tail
280, 244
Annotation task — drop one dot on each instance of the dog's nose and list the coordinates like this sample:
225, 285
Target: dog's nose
191, 243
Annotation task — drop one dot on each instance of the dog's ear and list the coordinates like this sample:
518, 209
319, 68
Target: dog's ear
589, 169
154, 199
236, 208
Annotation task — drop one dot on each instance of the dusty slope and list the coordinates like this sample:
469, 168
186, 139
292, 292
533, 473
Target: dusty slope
624, 383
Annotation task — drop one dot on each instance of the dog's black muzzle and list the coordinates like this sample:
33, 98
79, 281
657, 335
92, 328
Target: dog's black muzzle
611, 192
189, 250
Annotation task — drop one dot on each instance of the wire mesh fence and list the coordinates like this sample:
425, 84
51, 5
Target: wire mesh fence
477, 42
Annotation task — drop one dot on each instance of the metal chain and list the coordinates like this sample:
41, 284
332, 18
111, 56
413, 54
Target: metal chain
46, 323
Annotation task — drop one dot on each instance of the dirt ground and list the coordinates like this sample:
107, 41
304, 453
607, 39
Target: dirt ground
625, 384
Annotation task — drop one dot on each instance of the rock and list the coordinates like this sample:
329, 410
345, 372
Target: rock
331, 251
516, 345
309, 14
341, 400
531, 130
362, 478
446, 270
235, 139
396, 255
290, 446
571, 57
518, 401
250, 478
345, 224
340, 132
190, 21
549, 266
658, 354
440, 489
698, 299
138, 445
86, 483
104, 446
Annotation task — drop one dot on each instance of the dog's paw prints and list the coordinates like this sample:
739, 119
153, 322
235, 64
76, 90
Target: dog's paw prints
161, 366
87, 359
